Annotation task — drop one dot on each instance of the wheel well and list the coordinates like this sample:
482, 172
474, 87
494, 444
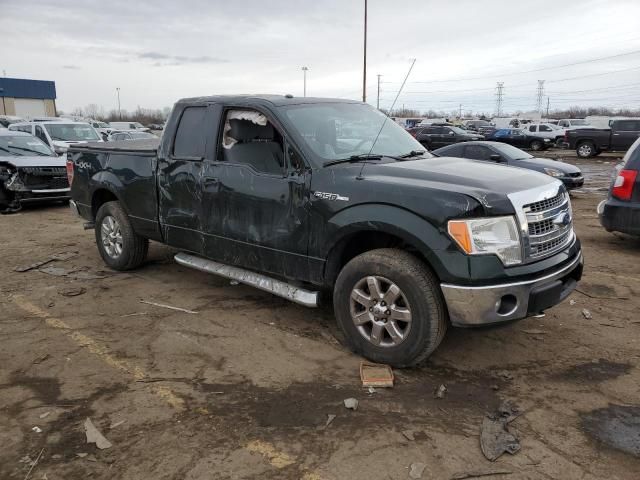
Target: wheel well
360, 242
100, 197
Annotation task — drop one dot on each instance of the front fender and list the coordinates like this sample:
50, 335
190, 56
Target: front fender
433, 243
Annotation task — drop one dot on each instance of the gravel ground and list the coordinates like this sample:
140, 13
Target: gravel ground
243, 388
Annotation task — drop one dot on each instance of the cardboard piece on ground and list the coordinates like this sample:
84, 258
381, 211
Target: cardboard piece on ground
376, 375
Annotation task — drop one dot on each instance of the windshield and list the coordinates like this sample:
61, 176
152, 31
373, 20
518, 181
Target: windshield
509, 151
340, 130
71, 132
23, 145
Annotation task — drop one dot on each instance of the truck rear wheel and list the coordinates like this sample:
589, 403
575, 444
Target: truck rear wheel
389, 306
536, 145
586, 150
119, 246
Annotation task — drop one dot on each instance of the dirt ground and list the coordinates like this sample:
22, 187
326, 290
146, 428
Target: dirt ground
242, 389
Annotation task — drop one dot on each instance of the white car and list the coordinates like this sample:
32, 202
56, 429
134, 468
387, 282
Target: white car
574, 123
59, 135
546, 130
126, 126
103, 128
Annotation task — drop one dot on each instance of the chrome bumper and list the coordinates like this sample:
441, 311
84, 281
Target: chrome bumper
476, 306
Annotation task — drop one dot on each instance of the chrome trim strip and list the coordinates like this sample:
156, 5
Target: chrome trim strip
53, 190
257, 280
547, 237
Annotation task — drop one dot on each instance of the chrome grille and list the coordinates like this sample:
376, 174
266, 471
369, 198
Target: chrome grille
541, 227
545, 204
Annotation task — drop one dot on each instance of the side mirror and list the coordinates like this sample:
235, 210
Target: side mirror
451, 133
495, 157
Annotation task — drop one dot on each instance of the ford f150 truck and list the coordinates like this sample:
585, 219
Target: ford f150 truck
589, 142
311, 198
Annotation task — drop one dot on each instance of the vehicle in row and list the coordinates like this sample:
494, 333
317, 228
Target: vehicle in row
436, 136
29, 172
589, 142
573, 123
520, 138
620, 211
117, 135
59, 134
6, 120
126, 126
505, 154
546, 130
104, 129
312, 198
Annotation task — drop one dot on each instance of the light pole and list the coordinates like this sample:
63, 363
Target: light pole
364, 60
119, 111
304, 73
378, 98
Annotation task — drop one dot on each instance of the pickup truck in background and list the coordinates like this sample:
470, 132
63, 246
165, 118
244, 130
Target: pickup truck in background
589, 142
317, 198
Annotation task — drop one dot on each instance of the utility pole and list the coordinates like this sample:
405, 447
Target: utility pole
547, 108
119, 111
499, 98
540, 95
304, 73
378, 99
364, 62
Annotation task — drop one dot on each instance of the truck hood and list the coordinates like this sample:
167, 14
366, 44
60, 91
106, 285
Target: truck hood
488, 183
34, 161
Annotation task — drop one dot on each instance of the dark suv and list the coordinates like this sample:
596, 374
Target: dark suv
436, 136
620, 212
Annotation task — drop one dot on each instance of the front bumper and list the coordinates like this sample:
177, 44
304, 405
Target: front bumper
572, 182
485, 305
620, 216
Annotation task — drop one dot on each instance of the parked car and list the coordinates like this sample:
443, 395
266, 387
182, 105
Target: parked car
59, 134
279, 200
6, 120
103, 128
475, 125
29, 171
620, 212
130, 135
156, 126
436, 136
520, 138
589, 142
573, 123
125, 126
505, 154
546, 130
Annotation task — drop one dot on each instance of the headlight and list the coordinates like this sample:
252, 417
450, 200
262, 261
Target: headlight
492, 235
553, 172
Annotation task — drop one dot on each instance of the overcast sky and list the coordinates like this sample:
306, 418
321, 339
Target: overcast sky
159, 51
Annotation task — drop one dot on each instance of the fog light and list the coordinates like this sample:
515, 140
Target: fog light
506, 305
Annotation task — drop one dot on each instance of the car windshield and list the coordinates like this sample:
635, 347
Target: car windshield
342, 130
509, 151
71, 132
23, 145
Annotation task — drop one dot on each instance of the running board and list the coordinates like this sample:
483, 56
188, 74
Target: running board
257, 280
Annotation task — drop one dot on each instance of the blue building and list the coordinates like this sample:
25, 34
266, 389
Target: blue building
27, 98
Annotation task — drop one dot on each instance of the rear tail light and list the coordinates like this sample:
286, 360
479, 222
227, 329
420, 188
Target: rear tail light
623, 186
70, 170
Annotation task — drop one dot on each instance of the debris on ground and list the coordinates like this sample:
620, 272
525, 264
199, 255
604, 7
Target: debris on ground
72, 291
480, 474
116, 424
45, 414
351, 403
94, 435
440, 392
137, 314
37, 429
82, 454
376, 375
58, 256
371, 390
162, 305
409, 435
41, 359
416, 470
35, 462
330, 418
572, 302
495, 437
75, 274
504, 374
586, 314
533, 331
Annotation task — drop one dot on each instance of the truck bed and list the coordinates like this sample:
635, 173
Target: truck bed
139, 147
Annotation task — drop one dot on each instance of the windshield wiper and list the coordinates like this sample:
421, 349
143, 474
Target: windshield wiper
354, 158
9, 151
413, 153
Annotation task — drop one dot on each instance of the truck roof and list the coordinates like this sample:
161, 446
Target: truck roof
276, 100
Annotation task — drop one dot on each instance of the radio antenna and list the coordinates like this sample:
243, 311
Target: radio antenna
359, 177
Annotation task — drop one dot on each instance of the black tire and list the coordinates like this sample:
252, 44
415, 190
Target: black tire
421, 288
586, 150
536, 145
134, 248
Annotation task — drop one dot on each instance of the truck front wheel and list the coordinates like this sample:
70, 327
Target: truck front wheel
586, 150
119, 246
389, 306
